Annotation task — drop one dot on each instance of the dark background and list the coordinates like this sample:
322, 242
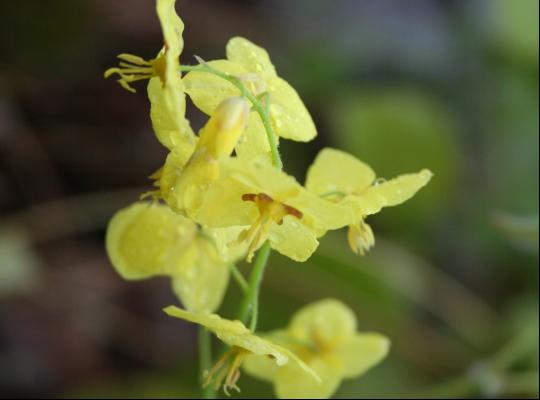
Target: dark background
453, 280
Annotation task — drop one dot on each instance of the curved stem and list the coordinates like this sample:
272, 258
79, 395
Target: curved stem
205, 361
237, 275
250, 302
263, 111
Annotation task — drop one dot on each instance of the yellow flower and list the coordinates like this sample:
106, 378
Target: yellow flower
324, 336
272, 205
165, 87
186, 176
341, 178
251, 64
243, 343
145, 240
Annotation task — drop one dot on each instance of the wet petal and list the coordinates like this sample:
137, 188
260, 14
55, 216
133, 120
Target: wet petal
289, 115
202, 285
145, 240
252, 57
293, 239
335, 171
402, 188
207, 91
170, 126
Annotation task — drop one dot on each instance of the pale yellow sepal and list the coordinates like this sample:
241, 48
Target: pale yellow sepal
145, 240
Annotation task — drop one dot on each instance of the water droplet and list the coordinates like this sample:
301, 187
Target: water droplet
379, 181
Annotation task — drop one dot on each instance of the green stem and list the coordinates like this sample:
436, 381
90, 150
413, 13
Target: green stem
256, 104
250, 302
205, 361
237, 275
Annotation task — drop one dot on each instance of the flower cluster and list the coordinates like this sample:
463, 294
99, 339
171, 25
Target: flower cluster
221, 195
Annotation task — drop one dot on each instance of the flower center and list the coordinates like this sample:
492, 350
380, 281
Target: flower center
270, 211
226, 372
133, 68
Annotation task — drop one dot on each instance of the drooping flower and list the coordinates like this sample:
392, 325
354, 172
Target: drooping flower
243, 342
341, 178
324, 336
165, 87
251, 64
272, 205
145, 240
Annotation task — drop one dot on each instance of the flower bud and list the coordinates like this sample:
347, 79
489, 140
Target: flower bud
221, 133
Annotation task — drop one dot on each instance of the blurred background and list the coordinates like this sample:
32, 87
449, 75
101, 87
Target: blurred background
404, 85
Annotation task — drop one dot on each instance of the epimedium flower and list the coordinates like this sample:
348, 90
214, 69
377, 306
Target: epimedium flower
243, 343
186, 176
272, 206
324, 336
145, 240
343, 179
165, 87
251, 64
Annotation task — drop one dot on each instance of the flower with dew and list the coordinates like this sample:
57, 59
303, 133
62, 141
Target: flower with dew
243, 343
165, 87
341, 178
145, 240
185, 177
272, 206
252, 66
324, 336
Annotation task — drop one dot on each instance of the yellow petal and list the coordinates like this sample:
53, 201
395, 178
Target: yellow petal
202, 285
223, 205
253, 58
335, 171
293, 239
171, 26
233, 333
361, 352
170, 126
261, 178
402, 188
262, 368
173, 93
292, 383
171, 172
253, 144
326, 323
145, 240
290, 118
207, 91
322, 215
